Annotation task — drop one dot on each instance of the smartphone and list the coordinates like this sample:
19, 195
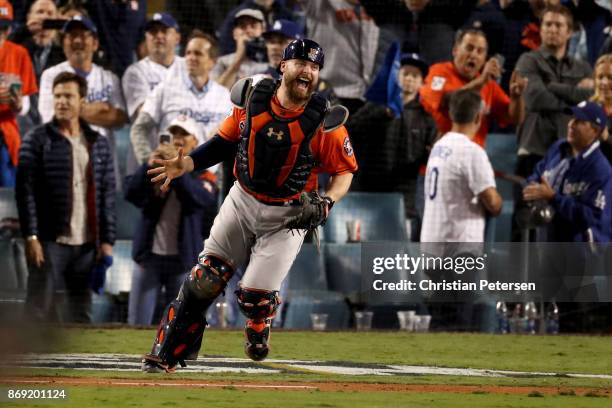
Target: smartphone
165, 138
256, 50
15, 88
500, 60
53, 24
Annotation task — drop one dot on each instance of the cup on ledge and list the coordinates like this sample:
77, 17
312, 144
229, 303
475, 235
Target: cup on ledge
423, 322
407, 319
319, 321
353, 231
363, 320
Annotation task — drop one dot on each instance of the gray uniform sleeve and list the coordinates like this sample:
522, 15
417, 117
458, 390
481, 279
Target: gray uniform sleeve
135, 90
139, 136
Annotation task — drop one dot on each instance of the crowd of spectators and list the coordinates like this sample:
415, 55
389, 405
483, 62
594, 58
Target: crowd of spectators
394, 64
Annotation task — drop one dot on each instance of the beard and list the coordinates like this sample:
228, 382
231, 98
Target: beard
296, 92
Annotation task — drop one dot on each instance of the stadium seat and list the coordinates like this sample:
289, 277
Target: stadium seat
307, 293
343, 268
381, 215
499, 228
501, 149
302, 304
308, 270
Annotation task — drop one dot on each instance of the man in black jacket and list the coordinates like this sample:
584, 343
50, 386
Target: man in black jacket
65, 194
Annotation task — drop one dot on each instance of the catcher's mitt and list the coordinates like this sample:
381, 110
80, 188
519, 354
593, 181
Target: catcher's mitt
313, 212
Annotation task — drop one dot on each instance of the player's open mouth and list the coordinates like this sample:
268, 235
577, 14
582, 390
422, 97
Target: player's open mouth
303, 83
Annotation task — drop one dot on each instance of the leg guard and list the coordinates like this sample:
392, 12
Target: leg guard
180, 332
259, 306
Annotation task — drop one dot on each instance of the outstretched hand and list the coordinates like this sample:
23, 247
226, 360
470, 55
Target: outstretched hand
168, 170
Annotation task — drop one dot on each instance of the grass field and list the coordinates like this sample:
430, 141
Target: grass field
559, 354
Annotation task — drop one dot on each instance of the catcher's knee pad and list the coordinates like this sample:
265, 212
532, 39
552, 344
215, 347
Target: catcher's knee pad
257, 304
208, 278
179, 335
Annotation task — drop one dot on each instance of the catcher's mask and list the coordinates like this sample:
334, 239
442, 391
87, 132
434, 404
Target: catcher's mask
304, 49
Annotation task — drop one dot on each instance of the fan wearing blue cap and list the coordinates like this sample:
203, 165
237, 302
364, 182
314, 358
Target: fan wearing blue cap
277, 38
413, 71
575, 178
161, 38
586, 126
80, 42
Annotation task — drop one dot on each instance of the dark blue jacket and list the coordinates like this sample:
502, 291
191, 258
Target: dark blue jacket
44, 183
196, 205
583, 203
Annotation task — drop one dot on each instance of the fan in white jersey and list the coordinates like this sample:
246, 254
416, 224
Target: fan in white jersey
459, 183
188, 91
162, 37
105, 108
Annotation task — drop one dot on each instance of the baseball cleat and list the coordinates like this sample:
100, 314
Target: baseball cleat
151, 364
257, 335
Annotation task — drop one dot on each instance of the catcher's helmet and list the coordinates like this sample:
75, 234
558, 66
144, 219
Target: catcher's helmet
304, 49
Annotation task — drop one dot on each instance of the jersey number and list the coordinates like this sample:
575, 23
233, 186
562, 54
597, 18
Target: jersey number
433, 183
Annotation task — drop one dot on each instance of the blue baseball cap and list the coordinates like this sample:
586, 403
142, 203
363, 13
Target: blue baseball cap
306, 50
80, 21
415, 60
286, 28
589, 112
162, 18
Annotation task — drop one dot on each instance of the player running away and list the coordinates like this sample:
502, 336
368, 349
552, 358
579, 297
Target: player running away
282, 135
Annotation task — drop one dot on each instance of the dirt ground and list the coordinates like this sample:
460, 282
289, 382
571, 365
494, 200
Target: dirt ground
306, 386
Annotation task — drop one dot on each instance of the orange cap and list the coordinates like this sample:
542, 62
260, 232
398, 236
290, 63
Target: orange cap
6, 13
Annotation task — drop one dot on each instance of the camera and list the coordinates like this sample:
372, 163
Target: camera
256, 50
53, 24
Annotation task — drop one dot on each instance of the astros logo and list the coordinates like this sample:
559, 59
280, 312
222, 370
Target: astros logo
279, 135
312, 54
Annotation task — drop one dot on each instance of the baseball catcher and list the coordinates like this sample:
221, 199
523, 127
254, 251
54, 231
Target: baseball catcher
282, 135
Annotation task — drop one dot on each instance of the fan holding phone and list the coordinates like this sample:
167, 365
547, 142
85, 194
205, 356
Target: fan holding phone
17, 82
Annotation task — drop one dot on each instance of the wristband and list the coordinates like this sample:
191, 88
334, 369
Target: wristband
330, 202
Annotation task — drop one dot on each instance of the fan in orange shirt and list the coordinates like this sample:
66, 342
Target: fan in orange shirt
464, 72
17, 79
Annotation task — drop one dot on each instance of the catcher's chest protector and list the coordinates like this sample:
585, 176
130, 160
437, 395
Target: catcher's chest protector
274, 156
